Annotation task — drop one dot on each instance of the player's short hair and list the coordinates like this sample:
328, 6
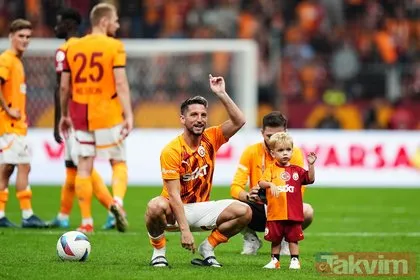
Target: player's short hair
99, 11
274, 119
19, 24
70, 14
282, 139
193, 100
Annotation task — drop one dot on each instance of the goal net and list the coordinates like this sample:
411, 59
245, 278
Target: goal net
161, 74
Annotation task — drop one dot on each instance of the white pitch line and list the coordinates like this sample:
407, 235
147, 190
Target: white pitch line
309, 234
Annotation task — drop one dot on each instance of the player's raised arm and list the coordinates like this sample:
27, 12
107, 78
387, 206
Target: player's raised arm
311, 170
173, 187
236, 117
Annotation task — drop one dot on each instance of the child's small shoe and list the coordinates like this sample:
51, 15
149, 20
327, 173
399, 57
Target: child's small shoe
273, 264
294, 263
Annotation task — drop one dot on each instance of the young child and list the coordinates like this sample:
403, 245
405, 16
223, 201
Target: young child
284, 198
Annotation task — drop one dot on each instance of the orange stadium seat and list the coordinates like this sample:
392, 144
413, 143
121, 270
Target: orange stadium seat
46, 118
157, 115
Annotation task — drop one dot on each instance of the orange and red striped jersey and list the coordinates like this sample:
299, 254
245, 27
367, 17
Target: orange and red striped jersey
193, 168
60, 54
13, 88
91, 61
289, 179
254, 160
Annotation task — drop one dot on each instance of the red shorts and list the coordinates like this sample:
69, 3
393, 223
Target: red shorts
290, 230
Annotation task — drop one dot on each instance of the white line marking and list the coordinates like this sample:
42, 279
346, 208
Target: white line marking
135, 233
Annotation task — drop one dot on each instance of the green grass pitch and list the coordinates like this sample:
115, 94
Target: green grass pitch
346, 220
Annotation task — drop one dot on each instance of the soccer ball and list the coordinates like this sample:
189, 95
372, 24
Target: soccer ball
73, 246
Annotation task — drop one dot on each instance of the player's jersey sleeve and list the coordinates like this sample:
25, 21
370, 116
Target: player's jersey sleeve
120, 57
267, 175
5, 67
170, 160
304, 176
215, 133
66, 64
242, 173
60, 58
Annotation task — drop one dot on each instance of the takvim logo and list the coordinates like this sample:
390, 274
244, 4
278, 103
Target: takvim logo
366, 264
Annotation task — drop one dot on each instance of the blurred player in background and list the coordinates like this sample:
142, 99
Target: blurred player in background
13, 126
187, 165
68, 21
282, 182
253, 162
101, 114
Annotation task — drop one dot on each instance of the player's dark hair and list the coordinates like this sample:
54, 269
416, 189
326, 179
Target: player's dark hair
19, 24
274, 119
70, 14
193, 100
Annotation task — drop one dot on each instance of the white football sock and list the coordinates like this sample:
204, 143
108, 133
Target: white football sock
87, 221
205, 249
62, 216
27, 213
159, 252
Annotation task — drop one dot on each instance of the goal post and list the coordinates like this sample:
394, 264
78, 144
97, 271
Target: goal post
153, 65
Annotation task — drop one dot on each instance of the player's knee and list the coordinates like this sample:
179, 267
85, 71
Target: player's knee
156, 207
243, 211
24, 169
7, 170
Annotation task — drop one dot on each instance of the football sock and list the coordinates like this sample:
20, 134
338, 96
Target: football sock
216, 238
62, 216
119, 180
277, 256
4, 196
24, 198
158, 242
87, 221
118, 200
294, 256
159, 252
100, 190
67, 191
84, 195
27, 213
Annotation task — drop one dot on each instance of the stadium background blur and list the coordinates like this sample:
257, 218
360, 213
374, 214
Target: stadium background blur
340, 64
347, 64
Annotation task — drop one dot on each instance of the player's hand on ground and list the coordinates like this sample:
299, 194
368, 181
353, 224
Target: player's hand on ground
187, 241
311, 158
14, 113
217, 85
65, 126
127, 127
57, 136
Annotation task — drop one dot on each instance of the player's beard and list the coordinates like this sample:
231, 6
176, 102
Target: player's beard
196, 131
